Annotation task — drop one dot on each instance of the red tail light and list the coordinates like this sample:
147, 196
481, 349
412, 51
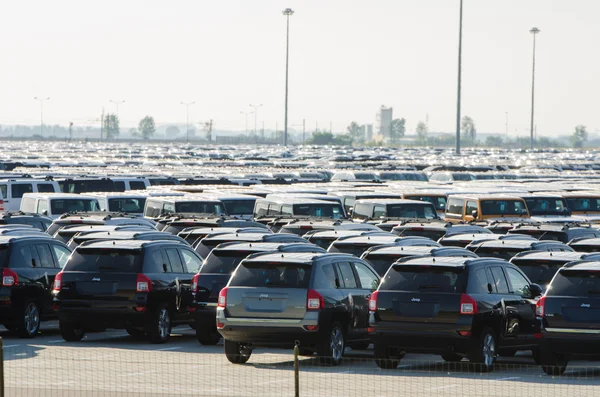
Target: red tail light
373, 302
58, 281
468, 305
314, 300
1, 205
194, 286
222, 302
540, 307
143, 283
9, 278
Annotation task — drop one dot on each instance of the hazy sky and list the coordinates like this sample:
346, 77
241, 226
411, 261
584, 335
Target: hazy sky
347, 58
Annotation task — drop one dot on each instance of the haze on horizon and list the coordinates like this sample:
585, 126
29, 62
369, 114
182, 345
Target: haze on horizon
347, 58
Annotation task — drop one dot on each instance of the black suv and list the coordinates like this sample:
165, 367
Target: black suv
176, 224
194, 235
276, 299
585, 244
215, 273
568, 313
357, 245
142, 286
455, 307
436, 230
29, 265
556, 232
463, 240
21, 218
506, 249
204, 246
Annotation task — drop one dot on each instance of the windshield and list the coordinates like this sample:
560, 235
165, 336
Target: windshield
579, 283
334, 211
424, 279
546, 206
278, 275
107, 260
239, 207
463, 177
131, 205
422, 211
61, 206
223, 262
584, 204
200, 207
539, 272
503, 207
439, 202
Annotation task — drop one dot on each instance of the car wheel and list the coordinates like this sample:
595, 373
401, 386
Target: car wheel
207, 336
136, 333
360, 345
383, 357
237, 353
71, 332
451, 357
29, 320
507, 352
159, 328
553, 364
332, 349
484, 350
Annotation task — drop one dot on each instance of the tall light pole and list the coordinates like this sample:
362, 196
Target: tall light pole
534, 31
255, 107
187, 119
117, 103
506, 138
42, 114
459, 78
287, 12
246, 114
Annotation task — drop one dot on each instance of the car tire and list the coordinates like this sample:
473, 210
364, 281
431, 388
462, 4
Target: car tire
360, 345
207, 336
483, 353
383, 358
136, 333
553, 364
159, 329
29, 320
451, 357
71, 332
507, 352
236, 353
332, 348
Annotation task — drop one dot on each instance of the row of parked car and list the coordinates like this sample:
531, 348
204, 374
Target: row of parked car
327, 284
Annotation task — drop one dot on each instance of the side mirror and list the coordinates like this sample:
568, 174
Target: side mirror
45, 213
474, 214
535, 290
33, 262
350, 211
164, 267
490, 288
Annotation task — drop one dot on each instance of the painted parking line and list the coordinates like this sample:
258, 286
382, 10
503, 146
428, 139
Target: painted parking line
511, 378
56, 341
168, 348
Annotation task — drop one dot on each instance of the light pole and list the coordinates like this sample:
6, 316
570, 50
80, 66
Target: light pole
287, 12
42, 114
117, 103
187, 119
459, 78
255, 107
534, 31
246, 114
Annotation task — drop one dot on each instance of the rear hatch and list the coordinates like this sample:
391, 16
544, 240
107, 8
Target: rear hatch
272, 290
543, 234
382, 262
496, 252
216, 272
421, 294
573, 300
101, 278
539, 271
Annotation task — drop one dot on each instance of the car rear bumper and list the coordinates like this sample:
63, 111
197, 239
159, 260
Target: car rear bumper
104, 317
573, 342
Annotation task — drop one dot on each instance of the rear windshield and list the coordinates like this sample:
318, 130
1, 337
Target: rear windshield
581, 283
200, 207
425, 279
503, 207
131, 205
239, 207
545, 235
496, 252
411, 211
65, 235
61, 206
584, 204
322, 242
435, 235
223, 261
319, 210
277, 275
539, 272
381, 263
105, 260
349, 249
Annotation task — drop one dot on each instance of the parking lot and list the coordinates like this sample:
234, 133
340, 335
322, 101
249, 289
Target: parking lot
113, 364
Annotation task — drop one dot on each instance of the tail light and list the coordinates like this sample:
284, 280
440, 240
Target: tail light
468, 305
373, 302
314, 300
58, 281
194, 286
540, 307
143, 283
222, 302
1, 205
9, 278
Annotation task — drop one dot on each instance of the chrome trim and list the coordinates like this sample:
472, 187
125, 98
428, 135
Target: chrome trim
208, 304
262, 321
574, 330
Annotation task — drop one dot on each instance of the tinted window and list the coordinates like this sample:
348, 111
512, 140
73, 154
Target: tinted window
18, 189
154, 262
137, 185
21, 258
347, 276
191, 262
45, 188
94, 185
519, 284
239, 207
99, 260
497, 252
62, 255
439, 202
584, 204
200, 207
381, 263
288, 275
502, 207
60, 206
539, 272
132, 205
368, 279
580, 283
319, 210
326, 277
119, 186
176, 264
478, 282
45, 255
223, 261
424, 279
546, 206
462, 177
411, 211
499, 280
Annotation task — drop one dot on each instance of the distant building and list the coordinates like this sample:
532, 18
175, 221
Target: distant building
383, 121
368, 132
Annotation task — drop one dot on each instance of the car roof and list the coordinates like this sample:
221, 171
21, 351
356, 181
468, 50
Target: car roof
586, 241
124, 244
583, 265
553, 255
438, 261
4, 240
258, 246
242, 236
293, 257
391, 201
402, 250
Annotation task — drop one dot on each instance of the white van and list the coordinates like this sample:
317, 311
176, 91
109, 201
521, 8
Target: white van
123, 184
54, 205
14, 189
